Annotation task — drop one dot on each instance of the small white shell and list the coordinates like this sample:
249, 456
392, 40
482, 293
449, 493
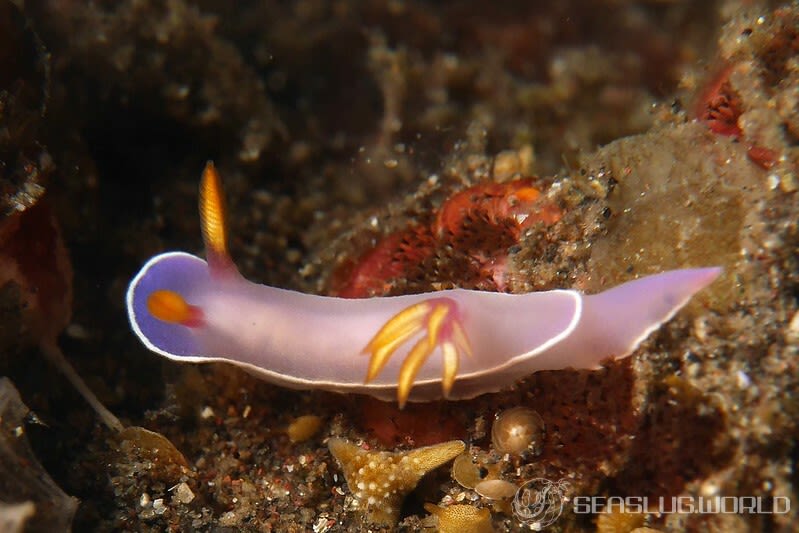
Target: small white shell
519, 430
495, 489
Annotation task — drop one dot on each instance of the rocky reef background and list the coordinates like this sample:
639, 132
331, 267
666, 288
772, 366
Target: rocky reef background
665, 133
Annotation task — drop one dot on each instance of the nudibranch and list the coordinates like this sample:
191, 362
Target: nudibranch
454, 344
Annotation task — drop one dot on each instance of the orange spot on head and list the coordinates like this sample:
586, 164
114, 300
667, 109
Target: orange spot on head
170, 306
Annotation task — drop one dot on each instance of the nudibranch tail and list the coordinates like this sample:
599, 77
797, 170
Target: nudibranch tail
439, 319
213, 223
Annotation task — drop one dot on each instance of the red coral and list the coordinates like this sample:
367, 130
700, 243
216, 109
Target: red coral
719, 106
467, 242
389, 259
512, 202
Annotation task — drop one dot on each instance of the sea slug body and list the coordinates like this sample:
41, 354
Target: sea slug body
455, 343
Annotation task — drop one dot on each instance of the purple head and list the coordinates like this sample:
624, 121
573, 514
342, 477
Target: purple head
180, 273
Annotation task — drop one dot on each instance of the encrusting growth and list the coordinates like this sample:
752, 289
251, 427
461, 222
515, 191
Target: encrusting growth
461, 519
380, 480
